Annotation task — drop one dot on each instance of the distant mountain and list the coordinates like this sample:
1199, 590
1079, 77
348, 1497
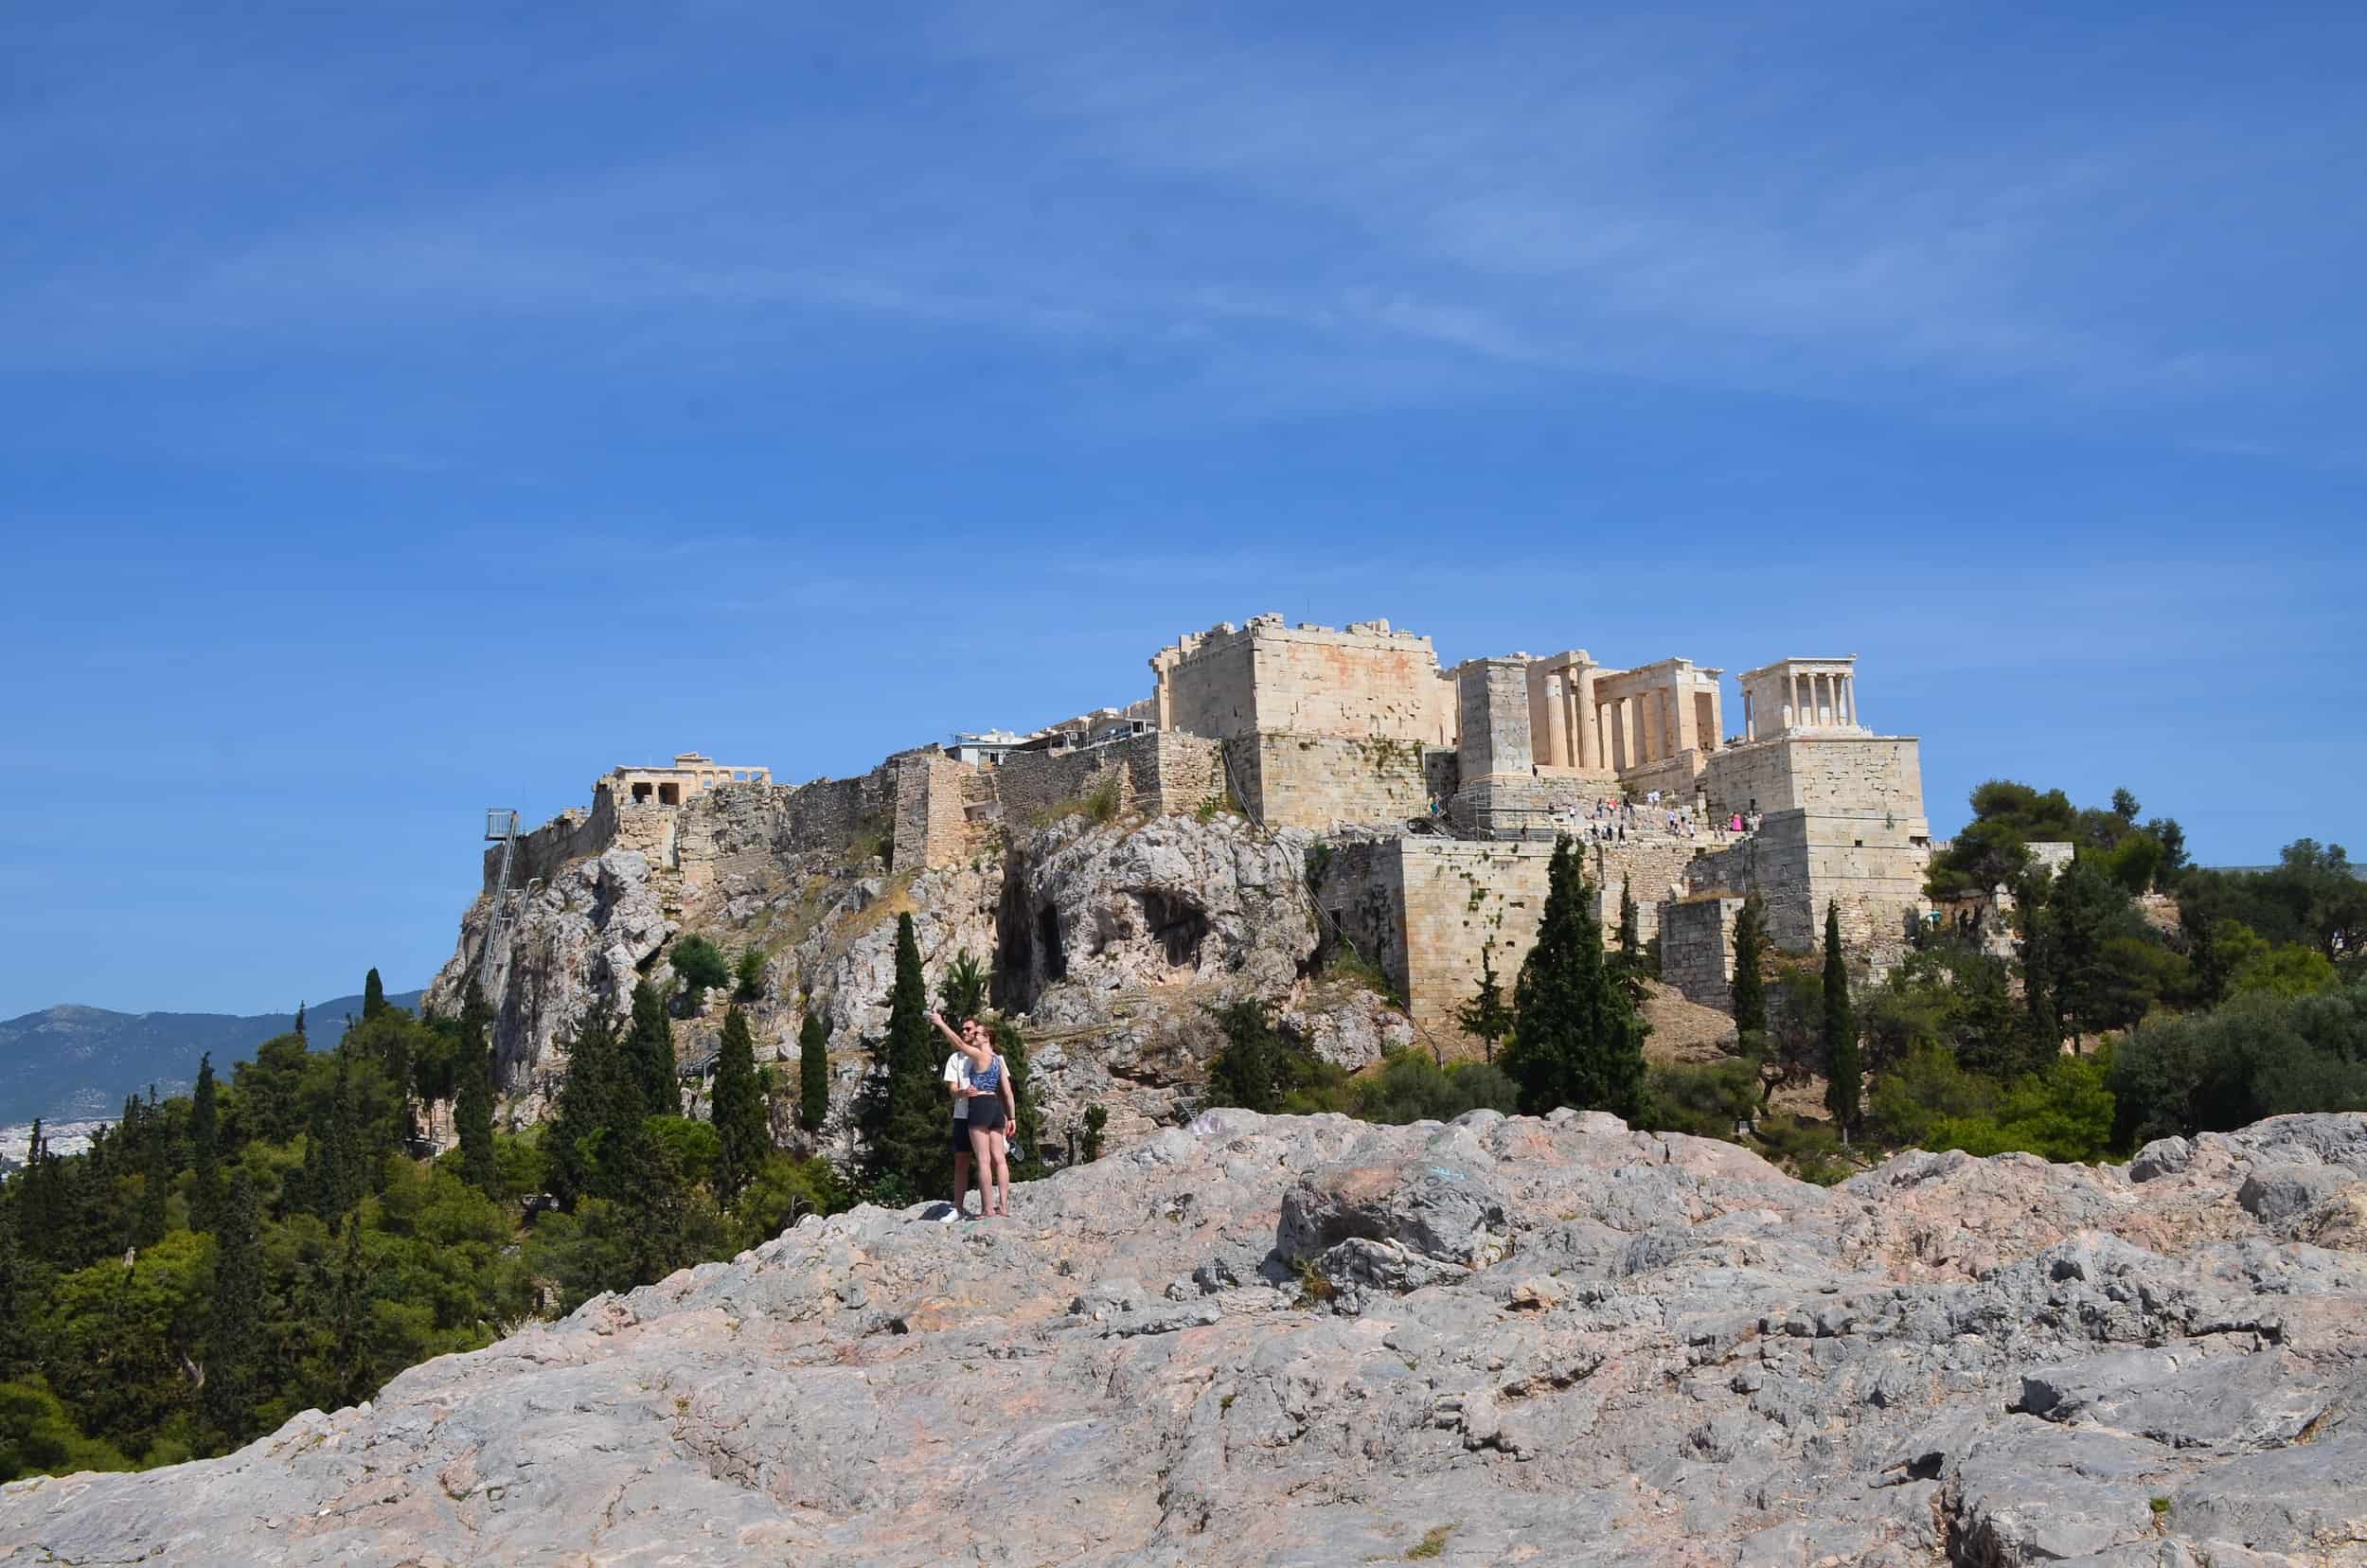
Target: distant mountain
69, 1063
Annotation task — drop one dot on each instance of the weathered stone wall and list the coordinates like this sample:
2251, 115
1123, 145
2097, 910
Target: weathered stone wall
931, 827
832, 813
1844, 826
1320, 782
572, 835
1430, 911
1182, 771
1697, 947
1367, 681
1034, 786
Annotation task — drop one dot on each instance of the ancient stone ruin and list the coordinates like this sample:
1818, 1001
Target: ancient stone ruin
1437, 793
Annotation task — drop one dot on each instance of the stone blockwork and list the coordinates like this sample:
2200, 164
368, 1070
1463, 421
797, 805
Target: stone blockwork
1697, 947
1430, 911
1367, 681
1321, 782
1155, 774
1844, 825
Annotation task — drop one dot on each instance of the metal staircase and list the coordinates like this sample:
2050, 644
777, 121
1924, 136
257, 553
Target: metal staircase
500, 826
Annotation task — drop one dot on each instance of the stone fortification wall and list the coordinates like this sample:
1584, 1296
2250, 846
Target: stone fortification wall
1797, 863
832, 813
1844, 775
932, 827
1320, 782
1697, 947
1184, 771
572, 835
1157, 775
1367, 681
1844, 826
1430, 911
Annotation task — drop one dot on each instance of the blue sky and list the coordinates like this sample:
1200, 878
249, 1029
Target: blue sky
408, 409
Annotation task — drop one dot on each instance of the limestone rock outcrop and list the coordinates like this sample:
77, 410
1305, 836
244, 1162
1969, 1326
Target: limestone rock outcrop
1109, 938
1311, 1341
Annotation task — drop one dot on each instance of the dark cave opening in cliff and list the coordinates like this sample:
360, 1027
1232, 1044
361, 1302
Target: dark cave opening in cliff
1178, 925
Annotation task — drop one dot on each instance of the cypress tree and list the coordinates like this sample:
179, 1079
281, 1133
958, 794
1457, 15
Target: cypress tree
472, 1094
1486, 1018
2041, 966
373, 996
1577, 1039
649, 1052
814, 1070
742, 1123
905, 1111
148, 1221
236, 1319
1844, 1064
1750, 987
595, 1098
1631, 945
205, 1152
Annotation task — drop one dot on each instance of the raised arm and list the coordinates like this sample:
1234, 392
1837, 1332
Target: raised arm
938, 1019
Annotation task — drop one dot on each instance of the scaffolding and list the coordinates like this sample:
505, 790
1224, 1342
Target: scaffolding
500, 826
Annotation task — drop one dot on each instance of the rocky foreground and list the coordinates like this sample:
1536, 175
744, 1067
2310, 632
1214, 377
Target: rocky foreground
1310, 1341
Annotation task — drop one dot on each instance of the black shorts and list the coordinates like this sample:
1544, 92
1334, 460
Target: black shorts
986, 1115
961, 1135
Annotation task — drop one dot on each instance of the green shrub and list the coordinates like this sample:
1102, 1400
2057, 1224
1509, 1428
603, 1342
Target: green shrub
749, 975
1811, 1151
1706, 1101
700, 966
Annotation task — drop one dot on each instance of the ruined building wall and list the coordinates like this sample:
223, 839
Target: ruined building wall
932, 827
1156, 774
1697, 947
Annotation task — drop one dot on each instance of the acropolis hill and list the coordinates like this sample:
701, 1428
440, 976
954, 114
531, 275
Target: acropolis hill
1423, 800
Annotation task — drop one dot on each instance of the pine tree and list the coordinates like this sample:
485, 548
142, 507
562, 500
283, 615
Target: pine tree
205, 1196
234, 1325
1750, 987
742, 1122
472, 1094
905, 1108
373, 996
1844, 1064
20, 1299
649, 1052
349, 1379
1486, 1018
595, 1098
813, 1070
1577, 1039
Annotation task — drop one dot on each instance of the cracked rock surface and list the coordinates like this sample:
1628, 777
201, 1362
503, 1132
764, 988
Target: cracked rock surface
1302, 1340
